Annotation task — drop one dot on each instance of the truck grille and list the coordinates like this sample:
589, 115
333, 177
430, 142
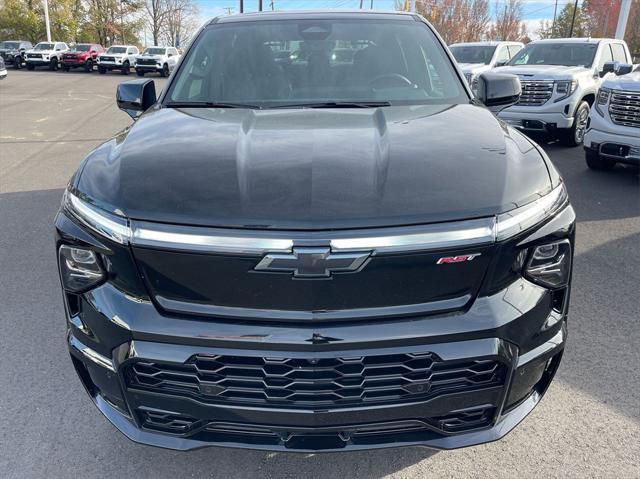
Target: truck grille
624, 108
34, 55
322, 382
535, 93
107, 59
146, 61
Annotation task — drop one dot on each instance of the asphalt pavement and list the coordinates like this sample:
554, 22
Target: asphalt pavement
586, 426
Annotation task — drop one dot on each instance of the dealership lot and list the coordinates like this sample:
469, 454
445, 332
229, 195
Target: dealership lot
586, 426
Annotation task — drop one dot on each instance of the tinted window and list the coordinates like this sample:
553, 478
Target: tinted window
569, 54
154, 51
82, 48
44, 46
473, 53
619, 53
117, 50
10, 45
397, 61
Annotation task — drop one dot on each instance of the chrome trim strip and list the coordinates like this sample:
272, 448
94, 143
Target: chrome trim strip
251, 242
113, 227
90, 354
544, 348
472, 232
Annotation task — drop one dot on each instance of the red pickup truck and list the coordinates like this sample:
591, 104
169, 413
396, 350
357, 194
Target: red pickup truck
83, 55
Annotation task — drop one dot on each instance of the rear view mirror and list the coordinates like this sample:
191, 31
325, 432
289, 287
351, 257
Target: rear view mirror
136, 96
498, 89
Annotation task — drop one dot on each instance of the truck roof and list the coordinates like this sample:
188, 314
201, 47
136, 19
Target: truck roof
573, 40
490, 43
305, 14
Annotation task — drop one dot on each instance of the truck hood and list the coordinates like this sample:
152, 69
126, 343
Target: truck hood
313, 169
630, 81
544, 72
474, 68
46, 52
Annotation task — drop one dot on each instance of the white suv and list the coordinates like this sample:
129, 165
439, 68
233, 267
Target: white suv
157, 59
46, 54
479, 57
560, 79
613, 131
118, 57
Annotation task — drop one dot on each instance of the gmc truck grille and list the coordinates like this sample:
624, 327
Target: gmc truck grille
624, 108
146, 61
535, 93
322, 382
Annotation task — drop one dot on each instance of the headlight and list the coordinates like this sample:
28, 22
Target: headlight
565, 88
550, 264
79, 268
118, 60
603, 100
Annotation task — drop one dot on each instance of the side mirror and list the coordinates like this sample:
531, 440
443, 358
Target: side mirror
170, 54
498, 89
136, 96
501, 63
608, 67
623, 69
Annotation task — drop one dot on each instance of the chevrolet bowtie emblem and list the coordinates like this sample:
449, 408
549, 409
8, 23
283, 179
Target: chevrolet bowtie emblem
313, 262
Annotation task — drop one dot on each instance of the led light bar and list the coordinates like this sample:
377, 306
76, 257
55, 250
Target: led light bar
220, 240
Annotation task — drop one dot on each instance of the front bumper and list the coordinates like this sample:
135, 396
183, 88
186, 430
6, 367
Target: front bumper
148, 68
38, 62
619, 143
516, 328
110, 65
545, 118
3, 73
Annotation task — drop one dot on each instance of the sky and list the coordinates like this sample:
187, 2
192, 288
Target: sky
534, 10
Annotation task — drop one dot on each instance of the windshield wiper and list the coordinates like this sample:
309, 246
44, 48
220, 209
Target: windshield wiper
336, 104
210, 104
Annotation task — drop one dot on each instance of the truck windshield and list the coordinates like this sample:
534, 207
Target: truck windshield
117, 50
568, 54
82, 48
10, 45
44, 46
309, 62
473, 53
154, 51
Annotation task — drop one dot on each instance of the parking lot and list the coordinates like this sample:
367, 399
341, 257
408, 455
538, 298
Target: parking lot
586, 426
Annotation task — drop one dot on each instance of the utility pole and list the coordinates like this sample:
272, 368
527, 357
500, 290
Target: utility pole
573, 20
259, 5
371, 4
46, 19
272, 6
229, 10
241, 6
361, 2
553, 25
623, 18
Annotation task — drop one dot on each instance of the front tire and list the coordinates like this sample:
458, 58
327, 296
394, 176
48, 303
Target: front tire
53, 64
125, 68
30, 67
102, 70
140, 73
65, 68
165, 71
88, 67
574, 136
597, 162
17, 62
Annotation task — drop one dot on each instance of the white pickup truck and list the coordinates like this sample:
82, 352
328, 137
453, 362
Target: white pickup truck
613, 129
478, 57
560, 79
118, 57
157, 59
46, 54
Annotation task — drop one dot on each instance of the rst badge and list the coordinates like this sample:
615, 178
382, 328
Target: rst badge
457, 259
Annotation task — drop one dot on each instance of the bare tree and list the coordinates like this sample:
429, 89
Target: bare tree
157, 12
508, 24
181, 21
456, 20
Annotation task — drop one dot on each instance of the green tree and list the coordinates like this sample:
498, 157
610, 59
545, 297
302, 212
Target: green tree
20, 20
562, 27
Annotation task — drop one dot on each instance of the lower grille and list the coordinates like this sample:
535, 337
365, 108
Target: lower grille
624, 108
146, 61
107, 59
535, 93
34, 55
324, 382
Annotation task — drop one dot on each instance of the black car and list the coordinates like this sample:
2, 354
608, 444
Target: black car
316, 255
13, 52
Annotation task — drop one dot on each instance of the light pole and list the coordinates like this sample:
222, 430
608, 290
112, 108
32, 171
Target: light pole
623, 17
46, 19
